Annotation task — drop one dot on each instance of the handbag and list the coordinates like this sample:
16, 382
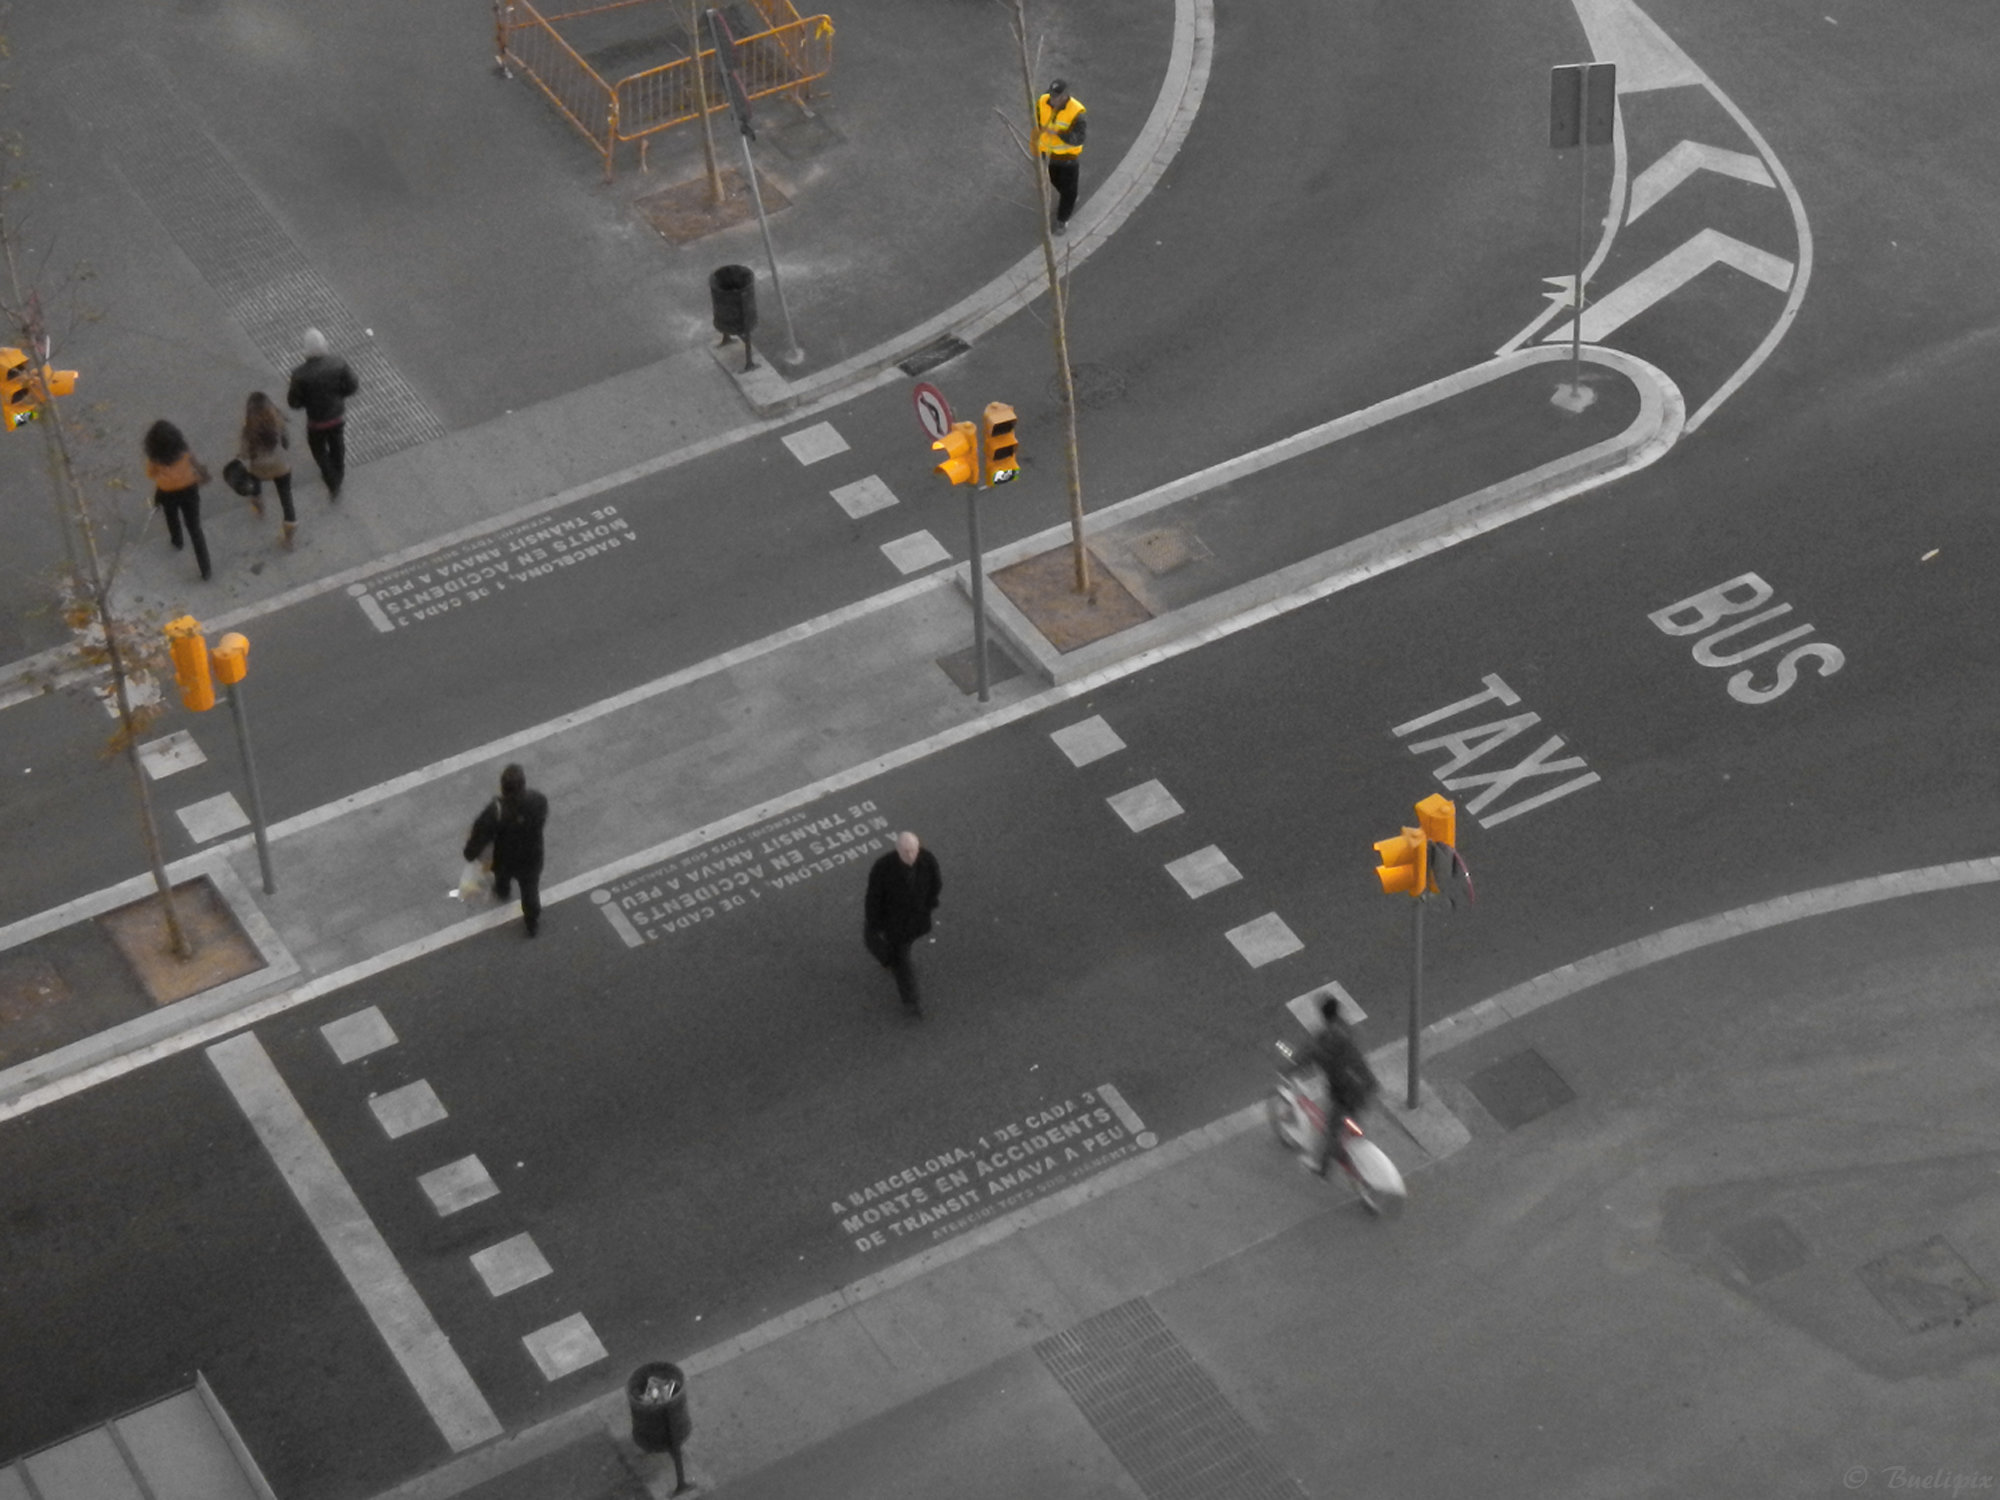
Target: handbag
476, 878
240, 479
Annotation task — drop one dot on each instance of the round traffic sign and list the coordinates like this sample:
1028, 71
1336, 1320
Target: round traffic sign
933, 411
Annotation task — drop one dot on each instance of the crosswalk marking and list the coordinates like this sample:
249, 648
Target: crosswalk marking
915, 552
565, 1346
1144, 806
864, 497
811, 444
399, 1314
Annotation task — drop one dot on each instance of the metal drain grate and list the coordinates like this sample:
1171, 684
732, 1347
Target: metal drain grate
1926, 1286
1158, 1411
262, 277
935, 353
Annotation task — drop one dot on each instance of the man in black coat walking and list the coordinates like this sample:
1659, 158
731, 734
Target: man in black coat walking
511, 825
903, 890
322, 384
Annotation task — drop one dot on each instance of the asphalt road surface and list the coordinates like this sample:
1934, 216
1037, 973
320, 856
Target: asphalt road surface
686, 1127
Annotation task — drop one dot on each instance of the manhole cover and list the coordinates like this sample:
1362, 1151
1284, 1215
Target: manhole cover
1926, 1286
29, 986
684, 212
1044, 589
1762, 1248
1520, 1088
1096, 385
1172, 547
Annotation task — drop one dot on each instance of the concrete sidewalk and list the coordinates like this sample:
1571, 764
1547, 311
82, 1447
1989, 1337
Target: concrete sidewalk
1726, 1224
963, 257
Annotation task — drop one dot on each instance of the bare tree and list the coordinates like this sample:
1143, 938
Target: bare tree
1058, 296
696, 12
111, 648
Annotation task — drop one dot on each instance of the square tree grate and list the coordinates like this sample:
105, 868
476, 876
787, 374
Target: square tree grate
1043, 588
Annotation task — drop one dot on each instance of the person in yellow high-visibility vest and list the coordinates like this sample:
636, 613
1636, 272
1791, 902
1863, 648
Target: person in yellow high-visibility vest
1059, 137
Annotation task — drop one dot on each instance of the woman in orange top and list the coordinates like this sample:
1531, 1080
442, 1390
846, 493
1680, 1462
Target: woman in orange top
177, 478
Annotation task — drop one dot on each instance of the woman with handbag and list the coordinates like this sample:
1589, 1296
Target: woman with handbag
177, 478
264, 450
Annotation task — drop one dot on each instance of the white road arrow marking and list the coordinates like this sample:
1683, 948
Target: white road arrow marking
1646, 56
1669, 274
1681, 163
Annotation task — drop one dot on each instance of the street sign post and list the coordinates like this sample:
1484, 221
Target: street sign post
1583, 106
933, 411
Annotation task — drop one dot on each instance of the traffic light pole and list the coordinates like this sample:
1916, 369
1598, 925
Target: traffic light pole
978, 588
1416, 1002
234, 693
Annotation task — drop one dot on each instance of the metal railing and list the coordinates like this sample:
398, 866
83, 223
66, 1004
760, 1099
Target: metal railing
785, 59
788, 57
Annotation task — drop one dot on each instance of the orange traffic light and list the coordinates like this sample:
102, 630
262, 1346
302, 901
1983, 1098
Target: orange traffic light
961, 454
18, 398
190, 652
1406, 863
231, 658
997, 463
1438, 818
53, 382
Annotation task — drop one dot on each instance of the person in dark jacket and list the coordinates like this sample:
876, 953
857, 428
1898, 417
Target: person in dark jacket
903, 890
321, 385
511, 825
177, 477
1351, 1083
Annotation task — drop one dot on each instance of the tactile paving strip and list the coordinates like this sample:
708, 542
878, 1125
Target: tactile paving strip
1158, 1411
255, 268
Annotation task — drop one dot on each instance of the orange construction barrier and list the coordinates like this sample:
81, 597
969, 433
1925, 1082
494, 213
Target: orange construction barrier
787, 56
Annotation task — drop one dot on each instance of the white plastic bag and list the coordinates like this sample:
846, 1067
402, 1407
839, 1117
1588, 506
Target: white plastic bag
476, 880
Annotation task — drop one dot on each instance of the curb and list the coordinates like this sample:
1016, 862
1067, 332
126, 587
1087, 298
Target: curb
1658, 426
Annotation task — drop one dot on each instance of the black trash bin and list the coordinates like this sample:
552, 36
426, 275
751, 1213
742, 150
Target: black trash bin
732, 292
657, 1396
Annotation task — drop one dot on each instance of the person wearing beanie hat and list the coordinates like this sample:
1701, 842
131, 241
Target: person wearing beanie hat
321, 384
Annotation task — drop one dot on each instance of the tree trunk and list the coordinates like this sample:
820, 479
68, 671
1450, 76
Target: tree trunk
93, 587
1058, 302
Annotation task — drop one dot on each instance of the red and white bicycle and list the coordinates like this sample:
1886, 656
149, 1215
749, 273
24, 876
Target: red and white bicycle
1300, 1110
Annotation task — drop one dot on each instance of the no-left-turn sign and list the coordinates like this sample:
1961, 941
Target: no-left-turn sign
932, 409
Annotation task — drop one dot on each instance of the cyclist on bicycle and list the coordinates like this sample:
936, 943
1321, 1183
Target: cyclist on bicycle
1351, 1083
